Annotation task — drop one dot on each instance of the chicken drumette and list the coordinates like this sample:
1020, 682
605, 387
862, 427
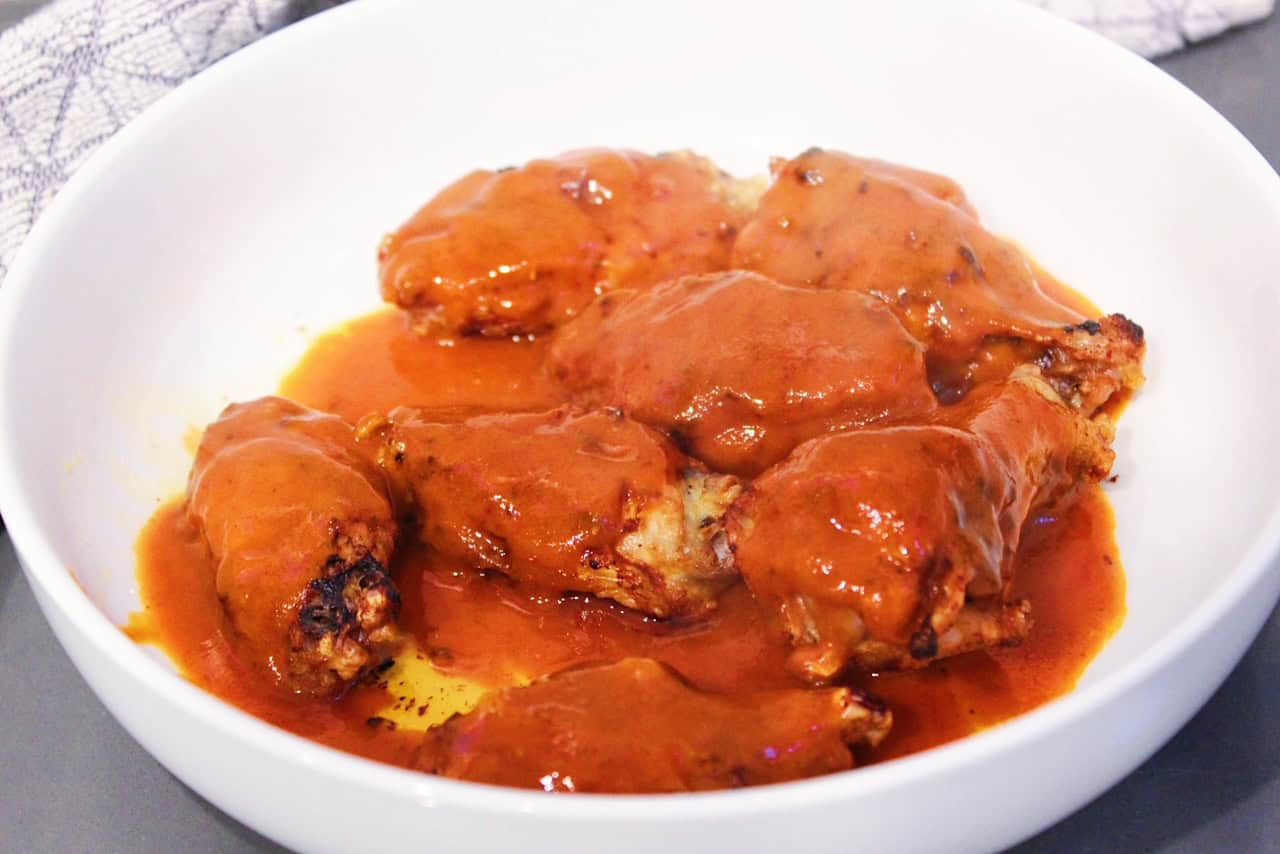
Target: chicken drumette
636, 726
891, 547
740, 368
301, 527
522, 250
567, 501
833, 221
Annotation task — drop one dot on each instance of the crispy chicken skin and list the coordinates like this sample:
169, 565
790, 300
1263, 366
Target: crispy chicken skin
831, 220
892, 547
636, 726
741, 368
300, 524
589, 502
522, 250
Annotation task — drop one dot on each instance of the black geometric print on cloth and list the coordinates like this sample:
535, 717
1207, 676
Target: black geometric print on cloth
75, 72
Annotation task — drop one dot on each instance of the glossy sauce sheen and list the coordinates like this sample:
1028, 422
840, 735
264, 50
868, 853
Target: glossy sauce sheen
473, 632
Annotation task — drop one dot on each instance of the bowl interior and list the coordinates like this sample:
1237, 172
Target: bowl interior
193, 261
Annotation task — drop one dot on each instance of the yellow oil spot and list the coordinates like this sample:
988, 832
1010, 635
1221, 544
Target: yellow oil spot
191, 438
424, 697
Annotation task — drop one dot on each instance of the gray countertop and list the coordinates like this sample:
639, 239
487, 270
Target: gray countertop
72, 780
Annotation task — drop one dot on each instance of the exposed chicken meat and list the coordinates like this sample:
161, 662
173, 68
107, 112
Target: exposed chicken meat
301, 528
590, 502
789, 364
522, 250
892, 547
636, 726
834, 221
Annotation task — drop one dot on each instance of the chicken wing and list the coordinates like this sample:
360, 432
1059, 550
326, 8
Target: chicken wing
591, 502
830, 220
301, 527
636, 726
892, 547
739, 368
522, 250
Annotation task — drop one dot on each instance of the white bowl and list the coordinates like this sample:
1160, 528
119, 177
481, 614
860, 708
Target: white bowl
189, 263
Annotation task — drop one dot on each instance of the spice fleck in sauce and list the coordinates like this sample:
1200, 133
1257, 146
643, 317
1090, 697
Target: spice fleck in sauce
472, 633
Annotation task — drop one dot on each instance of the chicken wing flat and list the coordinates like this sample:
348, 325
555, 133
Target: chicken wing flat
301, 528
590, 502
740, 368
637, 727
522, 250
892, 547
830, 220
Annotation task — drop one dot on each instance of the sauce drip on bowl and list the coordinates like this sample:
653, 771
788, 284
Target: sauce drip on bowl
473, 632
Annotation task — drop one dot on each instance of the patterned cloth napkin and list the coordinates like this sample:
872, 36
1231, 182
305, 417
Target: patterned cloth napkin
1156, 27
75, 72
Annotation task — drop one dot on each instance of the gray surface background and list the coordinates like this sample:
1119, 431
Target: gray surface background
72, 780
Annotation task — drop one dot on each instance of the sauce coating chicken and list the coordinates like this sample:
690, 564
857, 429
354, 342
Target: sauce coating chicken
302, 529
741, 368
568, 501
831, 220
892, 547
636, 726
522, 250
906, 390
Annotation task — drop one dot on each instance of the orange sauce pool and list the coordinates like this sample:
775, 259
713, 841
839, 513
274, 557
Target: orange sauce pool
472, 632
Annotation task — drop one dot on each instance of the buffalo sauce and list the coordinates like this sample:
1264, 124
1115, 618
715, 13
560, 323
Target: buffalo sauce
472, 632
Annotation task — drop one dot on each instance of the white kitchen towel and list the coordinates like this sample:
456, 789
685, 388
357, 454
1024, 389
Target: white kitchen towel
1156, 27
74, 72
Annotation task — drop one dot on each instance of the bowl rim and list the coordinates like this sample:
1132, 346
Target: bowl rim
41, 565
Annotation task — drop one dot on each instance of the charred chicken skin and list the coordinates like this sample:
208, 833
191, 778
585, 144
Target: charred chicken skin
889, 548
522, 250
636, 726
830, 220
740, 368
301, 527
568, 501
